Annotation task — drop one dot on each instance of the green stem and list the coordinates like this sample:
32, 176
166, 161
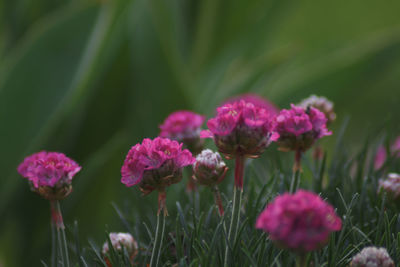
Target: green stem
237, 202
58, 222
161, 214
235, 220
301, 260
294, 184
53, 244
218, 200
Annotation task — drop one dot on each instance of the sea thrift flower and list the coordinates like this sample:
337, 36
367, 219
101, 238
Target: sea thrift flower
372, 257
49, 173
301, 222
184, 126
155, 164
256, 100
298, 128
390, 185
241, 128
121, 241
209, 168
322, 104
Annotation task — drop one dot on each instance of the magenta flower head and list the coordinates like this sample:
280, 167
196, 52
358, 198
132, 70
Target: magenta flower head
209, 168
155, 164
241, 128
322, 104
256, 100
301, 222
184, 126
391, 186
299, 128
372, 256
121, 241
49, 173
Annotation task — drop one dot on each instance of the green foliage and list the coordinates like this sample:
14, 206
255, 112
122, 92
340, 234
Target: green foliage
91, 78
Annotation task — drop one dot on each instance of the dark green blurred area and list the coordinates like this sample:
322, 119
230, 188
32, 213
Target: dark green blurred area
92, 78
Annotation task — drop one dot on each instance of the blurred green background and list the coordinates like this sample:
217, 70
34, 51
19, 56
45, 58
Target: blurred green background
92, 78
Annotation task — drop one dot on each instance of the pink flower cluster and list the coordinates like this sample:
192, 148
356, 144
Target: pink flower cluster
155, 164
256, 100
181, 125
48, 169
241, 128
301, 222
298, 127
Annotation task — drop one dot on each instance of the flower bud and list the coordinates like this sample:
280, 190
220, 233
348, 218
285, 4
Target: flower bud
209, 168
390, 185
121, 241
322, 104
372, 256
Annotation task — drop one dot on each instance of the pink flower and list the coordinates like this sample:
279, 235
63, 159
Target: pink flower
256, 100
381, 154
241, 128
184, 126
301, 222
48, 169
380, 157
50, 173
155, 164
299, 128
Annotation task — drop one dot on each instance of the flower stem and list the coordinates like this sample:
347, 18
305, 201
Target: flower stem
218, 200
57, 221
294, 184
53, 244
239, 171
156, 252
237, 201
301, 260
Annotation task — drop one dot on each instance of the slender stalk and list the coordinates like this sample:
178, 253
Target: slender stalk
57, 221
156, 252
53, 244
237, 200
218, 200
294, 184
301, 260
239, 171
